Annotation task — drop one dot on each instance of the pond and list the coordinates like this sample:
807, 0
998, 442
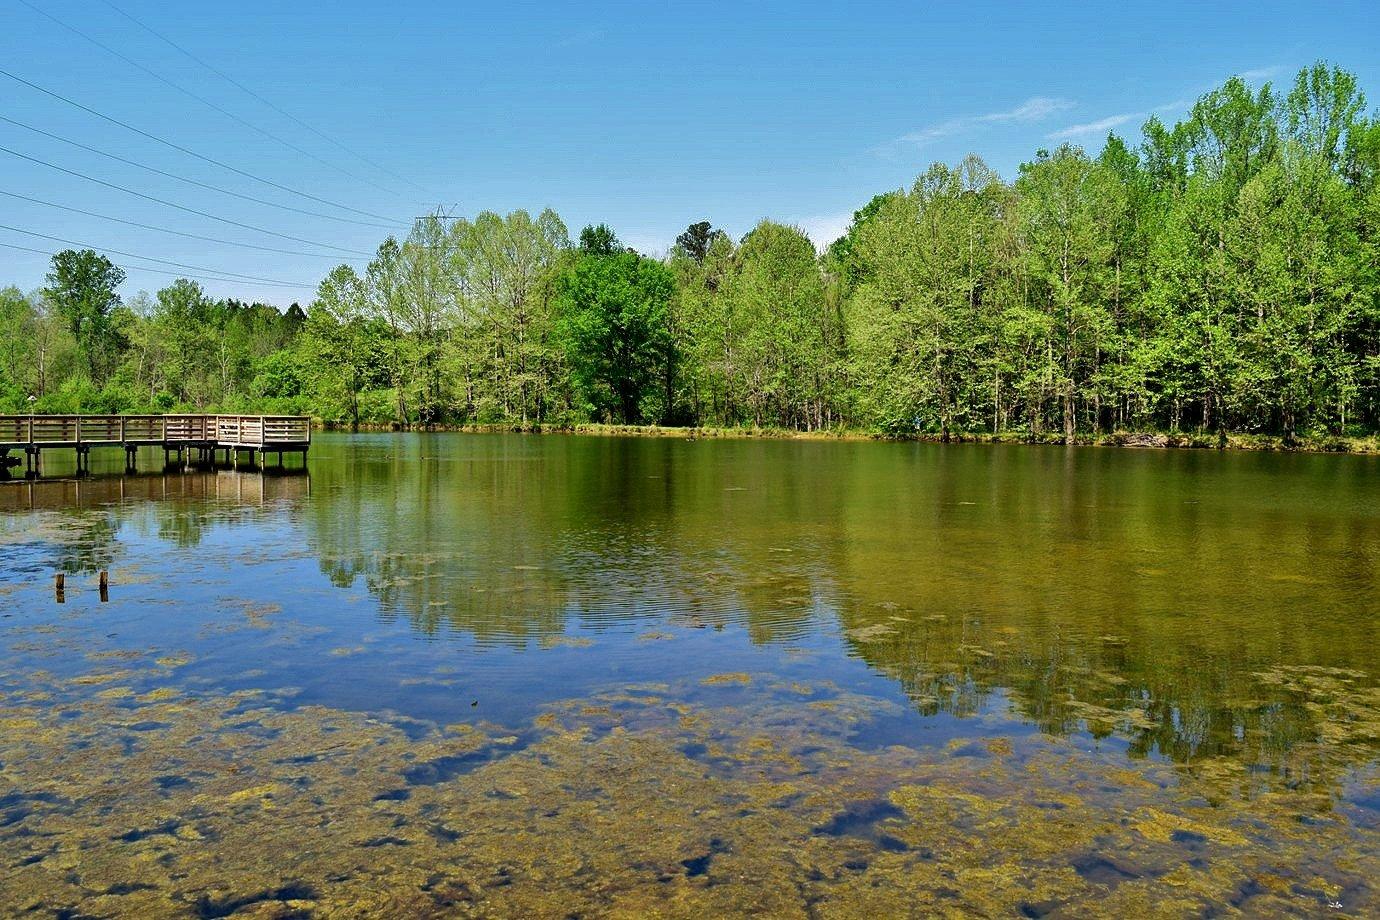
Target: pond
557, 676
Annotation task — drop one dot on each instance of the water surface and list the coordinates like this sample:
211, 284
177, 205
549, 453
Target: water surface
472, 675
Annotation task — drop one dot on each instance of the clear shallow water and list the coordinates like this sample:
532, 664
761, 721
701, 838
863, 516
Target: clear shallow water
464, 674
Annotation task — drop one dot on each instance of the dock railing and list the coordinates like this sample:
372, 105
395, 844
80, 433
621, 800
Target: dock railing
286, 429
257, 431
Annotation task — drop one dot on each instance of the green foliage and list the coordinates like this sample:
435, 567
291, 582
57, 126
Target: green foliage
18, 318
1223, 276
280, 375
840, 259
695, 240
784, 338
613, 312
598, 241
922, 317
82, 289
501, 342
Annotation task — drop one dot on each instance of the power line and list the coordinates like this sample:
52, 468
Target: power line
171, 204
156, 271
204, 101
189, 152
196, 182
190, 236
134, 255
236, 83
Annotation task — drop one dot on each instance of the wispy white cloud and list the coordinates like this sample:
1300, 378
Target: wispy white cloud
1178, 105
1262, 73
1101, 126
1033, 109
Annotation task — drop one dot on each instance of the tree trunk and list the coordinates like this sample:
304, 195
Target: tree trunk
1070, 416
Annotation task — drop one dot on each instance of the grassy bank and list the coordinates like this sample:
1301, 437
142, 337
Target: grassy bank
1369, 444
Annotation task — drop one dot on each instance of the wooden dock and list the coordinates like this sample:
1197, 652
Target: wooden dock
189, 438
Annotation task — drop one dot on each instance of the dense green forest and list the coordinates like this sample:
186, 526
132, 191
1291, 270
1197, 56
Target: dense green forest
1223, 275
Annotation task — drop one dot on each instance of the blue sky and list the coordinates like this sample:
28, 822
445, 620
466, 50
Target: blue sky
645, 116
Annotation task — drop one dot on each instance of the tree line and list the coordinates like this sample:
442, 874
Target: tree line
76, 346
1223, 274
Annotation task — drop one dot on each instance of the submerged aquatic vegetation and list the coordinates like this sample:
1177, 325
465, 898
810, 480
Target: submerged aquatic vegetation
871, 684
160, 802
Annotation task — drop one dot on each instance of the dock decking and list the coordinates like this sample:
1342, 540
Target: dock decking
176, 434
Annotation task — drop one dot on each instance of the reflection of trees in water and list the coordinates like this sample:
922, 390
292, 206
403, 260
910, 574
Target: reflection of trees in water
434, 541
1141, 594
1184, 714
84, 517
1135, 593
87, 542
513, 538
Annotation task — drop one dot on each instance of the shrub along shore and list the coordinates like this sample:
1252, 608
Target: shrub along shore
1130, 439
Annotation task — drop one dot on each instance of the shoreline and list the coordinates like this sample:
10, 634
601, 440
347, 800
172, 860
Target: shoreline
1151, 440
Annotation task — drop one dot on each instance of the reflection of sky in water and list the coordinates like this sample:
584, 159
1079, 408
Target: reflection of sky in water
251, 607
1115, 595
